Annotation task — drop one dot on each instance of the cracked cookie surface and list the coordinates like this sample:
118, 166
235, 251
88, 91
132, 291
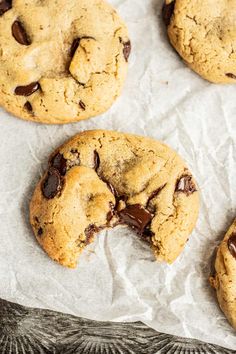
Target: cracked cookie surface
223, 278
100, 179
204, 35
61, 61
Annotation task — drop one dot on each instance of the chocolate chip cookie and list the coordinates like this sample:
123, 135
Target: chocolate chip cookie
223, 278
204, 35
100, 179
61, 61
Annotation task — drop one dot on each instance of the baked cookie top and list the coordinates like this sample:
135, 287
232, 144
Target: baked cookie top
99, 179
61, 61
223, 278
204, 34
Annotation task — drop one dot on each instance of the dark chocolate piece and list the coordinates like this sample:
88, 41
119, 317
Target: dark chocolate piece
232, 244
167, 12
59, 163
5, 5
40, 231
27, 90
96, 161
136, 217
19, 33
28, 107
82, 105
52, 184
185, 185
232, 76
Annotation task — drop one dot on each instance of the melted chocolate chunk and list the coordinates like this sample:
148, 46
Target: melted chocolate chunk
127, 50
28, 107
232, 244
40, 231
136, 217
232, 76
82, 105
5, 5
167, 12
90, 231
185, 185
96, 161
19, 33
52, 184
59, 163
27, 90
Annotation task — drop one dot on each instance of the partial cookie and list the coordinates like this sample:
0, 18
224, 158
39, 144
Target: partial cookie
224, 277
204, 35
100, 179
61, 61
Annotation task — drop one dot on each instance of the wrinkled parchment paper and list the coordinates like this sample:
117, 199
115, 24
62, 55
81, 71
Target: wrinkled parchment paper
117, 278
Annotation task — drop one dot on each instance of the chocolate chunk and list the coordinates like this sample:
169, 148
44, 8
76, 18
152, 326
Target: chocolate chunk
27, 90
20, 34
232, 244
5, 5
59, 163
136, 217
28, 107
185, 185
96, 161
82, 105
90, 231
127, 50
167, 12
40, 231
52, 184
232, 76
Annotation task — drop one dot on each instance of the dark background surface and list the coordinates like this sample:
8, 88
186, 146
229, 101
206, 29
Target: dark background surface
25, 331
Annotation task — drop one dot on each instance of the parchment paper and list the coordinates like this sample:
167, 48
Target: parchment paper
117, 278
